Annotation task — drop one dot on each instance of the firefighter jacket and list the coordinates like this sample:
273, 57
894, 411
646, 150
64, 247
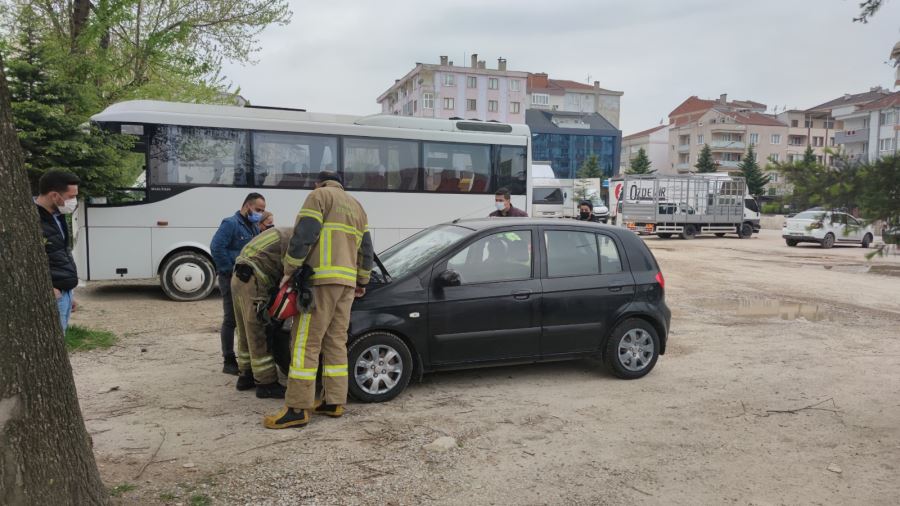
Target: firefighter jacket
264, 253
331, 235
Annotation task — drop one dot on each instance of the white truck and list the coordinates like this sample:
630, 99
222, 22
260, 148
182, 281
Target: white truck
551, 197
686, 205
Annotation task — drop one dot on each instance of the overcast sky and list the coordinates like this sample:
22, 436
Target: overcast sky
340, 55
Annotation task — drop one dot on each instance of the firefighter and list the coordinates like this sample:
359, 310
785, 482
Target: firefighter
330, 235
256, 271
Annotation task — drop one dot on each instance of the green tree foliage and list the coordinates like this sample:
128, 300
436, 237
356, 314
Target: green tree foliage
640, 164
705, 163
590, 168
755, 178
867, 9
49, 112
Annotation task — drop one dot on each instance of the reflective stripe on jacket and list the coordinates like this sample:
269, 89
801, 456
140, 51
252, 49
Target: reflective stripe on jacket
331, 235
264, 254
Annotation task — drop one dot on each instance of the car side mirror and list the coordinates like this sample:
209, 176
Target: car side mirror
449, 278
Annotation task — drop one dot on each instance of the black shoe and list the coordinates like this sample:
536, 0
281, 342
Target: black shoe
286, 418
230, 366
332, 410
274, 390
245, 381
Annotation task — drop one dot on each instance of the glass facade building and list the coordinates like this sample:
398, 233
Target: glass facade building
566, 139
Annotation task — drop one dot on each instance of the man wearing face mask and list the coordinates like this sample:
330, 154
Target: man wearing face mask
505, 207
233, 234
586, 212
58, 192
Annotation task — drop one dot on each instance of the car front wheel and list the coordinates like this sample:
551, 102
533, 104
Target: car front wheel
867, 240
632, 349
380, 367
791, 242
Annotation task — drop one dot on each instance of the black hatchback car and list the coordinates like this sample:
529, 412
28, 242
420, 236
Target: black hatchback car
507, 291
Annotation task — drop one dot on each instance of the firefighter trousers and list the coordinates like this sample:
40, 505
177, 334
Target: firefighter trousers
323, 329
251, 333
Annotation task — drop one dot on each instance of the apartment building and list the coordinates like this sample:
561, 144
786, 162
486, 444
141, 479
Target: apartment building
571, 96
807, 128
870, 130
446, 91
655, 142
850, 127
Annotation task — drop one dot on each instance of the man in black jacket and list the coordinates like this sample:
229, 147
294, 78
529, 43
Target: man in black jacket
58, 192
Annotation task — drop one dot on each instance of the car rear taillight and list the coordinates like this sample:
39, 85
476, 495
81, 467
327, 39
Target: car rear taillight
661, 280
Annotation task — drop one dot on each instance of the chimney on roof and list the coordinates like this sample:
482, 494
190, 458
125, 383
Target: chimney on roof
596, 85
443, 61
847, 96
501, 63
482, 64
474, 60
875, 89
450, 63
538, 80
723, 98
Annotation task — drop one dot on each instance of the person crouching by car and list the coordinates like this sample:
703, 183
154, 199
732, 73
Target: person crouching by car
586, 212
234, 233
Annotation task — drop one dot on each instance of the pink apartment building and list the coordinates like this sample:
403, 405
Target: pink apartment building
449, 91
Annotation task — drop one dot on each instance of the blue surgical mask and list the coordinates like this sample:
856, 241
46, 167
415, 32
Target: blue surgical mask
254, 217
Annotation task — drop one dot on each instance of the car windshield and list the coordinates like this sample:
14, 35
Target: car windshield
406, 256
810, 215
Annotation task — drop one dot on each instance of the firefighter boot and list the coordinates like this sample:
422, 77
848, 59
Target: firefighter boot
274, 390
287, 418
245, 381
332, 410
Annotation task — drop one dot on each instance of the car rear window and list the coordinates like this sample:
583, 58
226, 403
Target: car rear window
572, 253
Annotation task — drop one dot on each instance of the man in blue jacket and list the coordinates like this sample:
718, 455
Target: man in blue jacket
233, 234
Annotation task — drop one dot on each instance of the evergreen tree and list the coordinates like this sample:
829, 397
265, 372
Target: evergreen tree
809, 157
640, 164
49, 111
705, 163
755, 179
590, 168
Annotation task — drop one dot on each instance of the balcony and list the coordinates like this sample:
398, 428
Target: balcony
848, 136
731, 164
683, 166
727, 127
683, 148
729, 145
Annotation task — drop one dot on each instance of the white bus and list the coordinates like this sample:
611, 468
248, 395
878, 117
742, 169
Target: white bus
200, 161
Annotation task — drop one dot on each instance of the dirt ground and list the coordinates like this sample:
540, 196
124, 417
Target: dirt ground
781, 385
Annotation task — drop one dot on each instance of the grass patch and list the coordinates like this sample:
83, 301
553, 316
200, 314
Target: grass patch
81, 338
200, 500
121, 488
167, 497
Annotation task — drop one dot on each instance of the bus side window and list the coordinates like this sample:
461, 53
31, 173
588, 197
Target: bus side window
198, 156
291, 160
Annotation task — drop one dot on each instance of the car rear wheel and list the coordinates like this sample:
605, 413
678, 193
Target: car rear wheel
689, 232
828, 241
791, 242
187, 276
632, 349
867, 240
380, 367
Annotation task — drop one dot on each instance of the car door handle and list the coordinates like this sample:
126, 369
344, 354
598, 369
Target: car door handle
521, 294
615, 289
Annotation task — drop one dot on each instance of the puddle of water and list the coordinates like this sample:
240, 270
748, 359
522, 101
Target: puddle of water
774, 308
882, 269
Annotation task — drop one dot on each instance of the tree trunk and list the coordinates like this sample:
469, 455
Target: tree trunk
45, 450
81, 9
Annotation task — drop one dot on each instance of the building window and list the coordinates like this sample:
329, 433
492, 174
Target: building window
449, 103
773, 177
515, 107
754, 139
428, 100
829, 124
831, 141
471, 82
795, 123
493, 83
773, 158
700, 139
471, 104
415, 108
819, 159
514, 85
540, 99
449, 80
808, 123
776, 139
818, 141
887, 118
886, 144
493, 106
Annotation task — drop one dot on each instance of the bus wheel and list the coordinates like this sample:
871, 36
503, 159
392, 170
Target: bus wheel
188, 276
